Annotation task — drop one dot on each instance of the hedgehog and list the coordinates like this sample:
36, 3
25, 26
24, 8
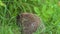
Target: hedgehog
29, 22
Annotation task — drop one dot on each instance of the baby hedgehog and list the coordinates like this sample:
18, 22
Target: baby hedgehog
29, 22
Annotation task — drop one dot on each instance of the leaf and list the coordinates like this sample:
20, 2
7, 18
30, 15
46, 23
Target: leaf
36, 9
2, 4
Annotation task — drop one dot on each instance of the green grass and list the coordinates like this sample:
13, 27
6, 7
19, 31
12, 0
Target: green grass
47, 10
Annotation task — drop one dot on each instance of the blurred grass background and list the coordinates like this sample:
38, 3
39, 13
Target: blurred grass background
47, 10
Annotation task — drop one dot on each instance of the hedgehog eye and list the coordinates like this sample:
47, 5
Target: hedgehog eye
32, 24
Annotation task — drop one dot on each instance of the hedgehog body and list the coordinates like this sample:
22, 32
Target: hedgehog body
29, 22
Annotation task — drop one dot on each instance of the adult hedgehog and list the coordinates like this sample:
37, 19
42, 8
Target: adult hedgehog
29, 22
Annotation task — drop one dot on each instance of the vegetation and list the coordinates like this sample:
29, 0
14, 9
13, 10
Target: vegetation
47, 10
